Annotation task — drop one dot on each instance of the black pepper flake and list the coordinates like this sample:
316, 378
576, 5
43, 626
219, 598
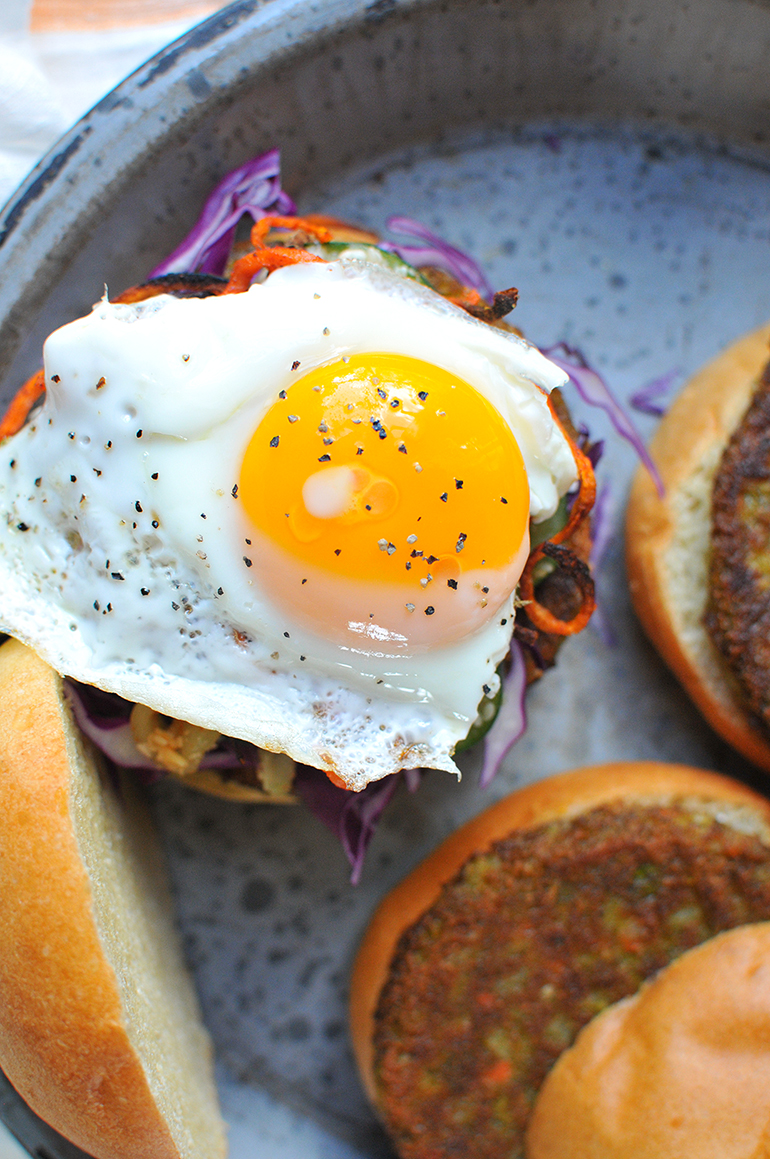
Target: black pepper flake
96, 471
376, 424
247, 541
22, 527
234, 491
443, 496
274, 441
422, 395
459, 484
503, 623
116, 575
70, 434
431, 559
429, 610
73, 478
55, 378
108, 445
503, 499
486, 689
154, 475
452, 583
408, 565
12, 464
382, 393
286, 634
102, 382
395, 403
383, 434
402, 448
220, 591
175, 606
460, 541
247, 561
38, 481
302, 657
145, 591
138, 507
322, 428
416, 553
324, 458
139, 433
109, 608
282, 393
337, 550
96, 605
359, 450
155, 523
328, 442
304, 581
295, 364
485, 591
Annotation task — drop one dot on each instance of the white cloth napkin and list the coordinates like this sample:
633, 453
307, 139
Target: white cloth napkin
50, 79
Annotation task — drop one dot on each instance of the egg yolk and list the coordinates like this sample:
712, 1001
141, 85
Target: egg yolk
390, 503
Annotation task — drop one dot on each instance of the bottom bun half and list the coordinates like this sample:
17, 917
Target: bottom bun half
448, 930
99, 1026
668, 536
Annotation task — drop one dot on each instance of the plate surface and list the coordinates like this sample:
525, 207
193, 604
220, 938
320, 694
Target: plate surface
608, 160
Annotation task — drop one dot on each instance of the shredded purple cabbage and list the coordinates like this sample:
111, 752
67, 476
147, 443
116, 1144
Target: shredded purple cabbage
594, 390
510, 722
104, 718
644, 400
351, 817
435, 252
254, 188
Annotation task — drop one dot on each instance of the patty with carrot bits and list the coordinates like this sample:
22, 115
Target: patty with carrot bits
531, 940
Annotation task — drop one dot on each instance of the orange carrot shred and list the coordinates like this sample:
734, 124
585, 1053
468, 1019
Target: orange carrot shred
21, 404
538, 615
271, 258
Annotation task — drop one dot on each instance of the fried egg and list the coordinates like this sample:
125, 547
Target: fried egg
295, 515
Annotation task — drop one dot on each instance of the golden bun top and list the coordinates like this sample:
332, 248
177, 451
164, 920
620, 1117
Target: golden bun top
679, 1071
563, 796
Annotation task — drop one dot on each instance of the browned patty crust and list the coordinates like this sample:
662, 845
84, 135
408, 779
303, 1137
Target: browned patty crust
738, 615
530, 941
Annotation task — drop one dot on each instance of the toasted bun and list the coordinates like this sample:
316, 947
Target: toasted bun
564, 796
667, 538
99, 1026
680, 1070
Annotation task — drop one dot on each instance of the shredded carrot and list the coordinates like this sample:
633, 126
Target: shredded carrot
21, 404
335, 779
540, 616
264, 257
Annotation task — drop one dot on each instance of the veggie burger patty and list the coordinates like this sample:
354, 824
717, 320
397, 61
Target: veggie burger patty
532, 939
738, 616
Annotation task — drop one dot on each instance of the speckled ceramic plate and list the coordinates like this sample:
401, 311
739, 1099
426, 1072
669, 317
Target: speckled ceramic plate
607, 158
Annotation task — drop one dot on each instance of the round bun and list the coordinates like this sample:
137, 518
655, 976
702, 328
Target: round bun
560, 797
99, 1027
680, 1070
667, 537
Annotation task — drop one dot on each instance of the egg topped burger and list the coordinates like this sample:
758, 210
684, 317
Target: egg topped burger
293, 505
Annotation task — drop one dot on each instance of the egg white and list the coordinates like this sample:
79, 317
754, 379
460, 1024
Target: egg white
122, 547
